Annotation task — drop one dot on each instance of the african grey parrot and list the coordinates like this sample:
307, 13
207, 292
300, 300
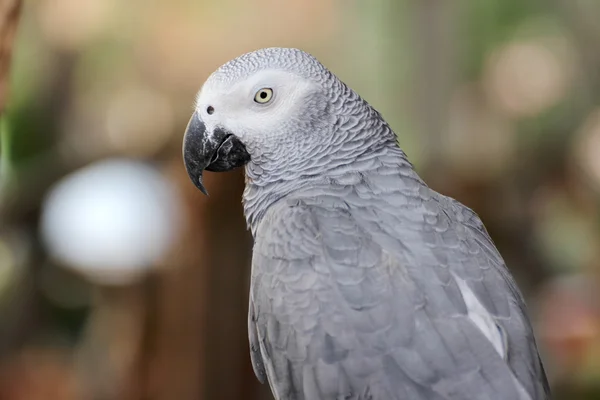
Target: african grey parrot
366, 284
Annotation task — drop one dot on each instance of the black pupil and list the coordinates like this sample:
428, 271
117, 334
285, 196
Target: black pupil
210, 109
263, 95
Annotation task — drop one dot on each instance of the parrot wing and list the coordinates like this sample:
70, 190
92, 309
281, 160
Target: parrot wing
354, 303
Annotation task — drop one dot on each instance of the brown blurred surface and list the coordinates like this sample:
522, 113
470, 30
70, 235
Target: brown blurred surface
9, 19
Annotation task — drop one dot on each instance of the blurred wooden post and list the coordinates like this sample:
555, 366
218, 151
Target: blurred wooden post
201, 346
177, 366
228, 357
9, 18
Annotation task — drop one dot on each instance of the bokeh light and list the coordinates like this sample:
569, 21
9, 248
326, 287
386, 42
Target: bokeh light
588, 147
524, 78
111, 221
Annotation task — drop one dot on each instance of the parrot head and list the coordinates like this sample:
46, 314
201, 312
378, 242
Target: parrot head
271, 104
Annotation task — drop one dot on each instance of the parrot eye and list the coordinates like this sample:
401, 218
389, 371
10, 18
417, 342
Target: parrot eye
263, 96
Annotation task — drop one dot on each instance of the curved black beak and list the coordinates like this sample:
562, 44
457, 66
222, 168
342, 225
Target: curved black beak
216, 151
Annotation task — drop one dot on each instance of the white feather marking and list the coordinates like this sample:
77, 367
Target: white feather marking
523, 395
487, 325
482, 318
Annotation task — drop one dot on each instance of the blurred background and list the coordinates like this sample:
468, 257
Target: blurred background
120, 280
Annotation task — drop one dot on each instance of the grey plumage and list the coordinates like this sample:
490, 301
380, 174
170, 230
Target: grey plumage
366, 284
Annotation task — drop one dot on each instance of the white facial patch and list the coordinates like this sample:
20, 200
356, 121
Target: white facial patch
235, 108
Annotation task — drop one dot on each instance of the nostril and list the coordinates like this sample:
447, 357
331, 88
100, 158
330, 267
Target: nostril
210, 109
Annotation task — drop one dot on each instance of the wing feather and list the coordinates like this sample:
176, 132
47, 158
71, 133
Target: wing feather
345, 305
